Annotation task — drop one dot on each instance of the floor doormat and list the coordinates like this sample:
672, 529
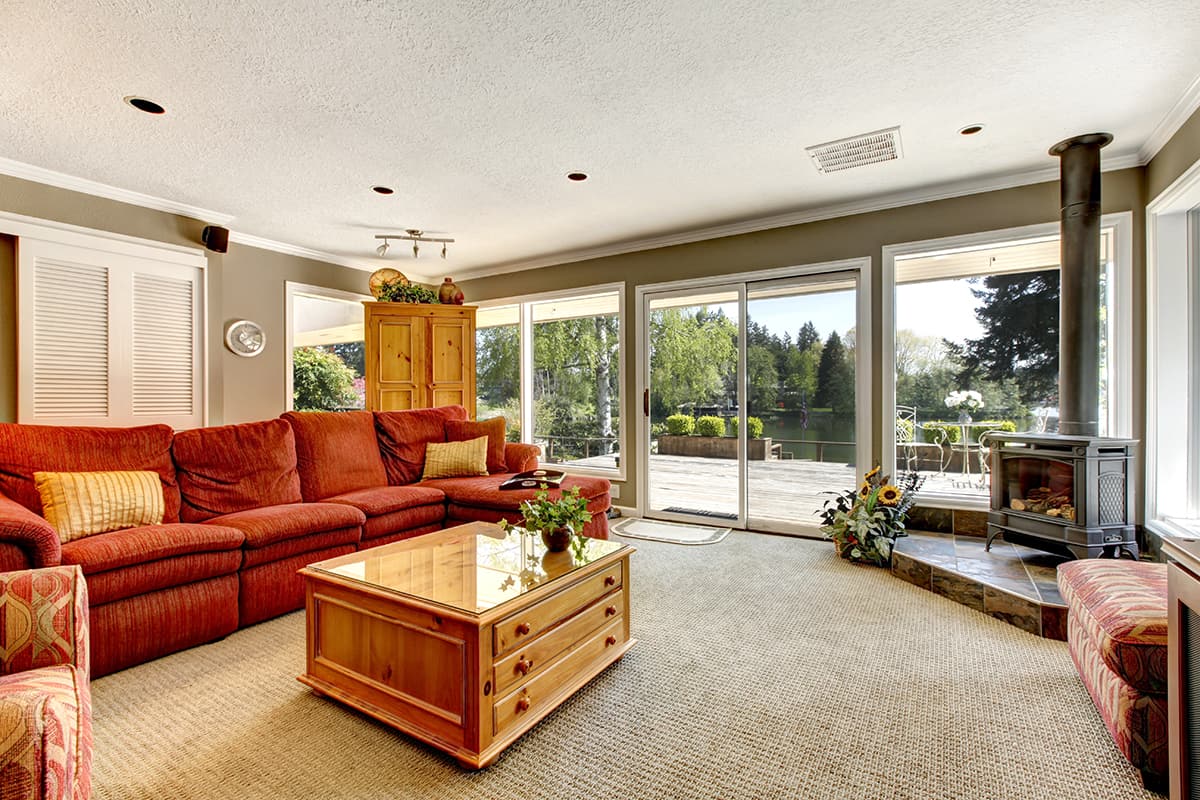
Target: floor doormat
673, 532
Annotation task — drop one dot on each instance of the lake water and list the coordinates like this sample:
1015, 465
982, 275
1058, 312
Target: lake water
819, 426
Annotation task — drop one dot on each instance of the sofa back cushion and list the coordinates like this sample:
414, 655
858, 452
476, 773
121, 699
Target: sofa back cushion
236, 468
493, 429
26, 449
336, 452
404, 434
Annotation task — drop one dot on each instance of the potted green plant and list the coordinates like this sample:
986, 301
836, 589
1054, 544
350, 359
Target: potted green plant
399, 290
865, 524
556, 520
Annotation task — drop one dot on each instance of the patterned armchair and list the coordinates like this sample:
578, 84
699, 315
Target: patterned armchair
45, 699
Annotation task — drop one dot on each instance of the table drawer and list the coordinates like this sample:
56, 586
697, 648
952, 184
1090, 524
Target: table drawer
535, 696
530, 659
521, 627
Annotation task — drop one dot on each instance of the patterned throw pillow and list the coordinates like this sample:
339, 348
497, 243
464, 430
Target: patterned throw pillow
78, 504
456, 459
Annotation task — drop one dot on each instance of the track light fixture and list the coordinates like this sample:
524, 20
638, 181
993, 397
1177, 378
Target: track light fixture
414, 235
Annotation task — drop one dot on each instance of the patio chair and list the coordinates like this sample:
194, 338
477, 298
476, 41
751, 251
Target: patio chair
910, 437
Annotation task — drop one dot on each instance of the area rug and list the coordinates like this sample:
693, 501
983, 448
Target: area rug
673, 532
766, 667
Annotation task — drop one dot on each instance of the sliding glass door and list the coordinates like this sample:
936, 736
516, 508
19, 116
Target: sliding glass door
752, 400
691, 396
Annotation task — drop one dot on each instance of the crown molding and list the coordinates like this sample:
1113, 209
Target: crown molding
30, 172
1170, 124
866, 206
261, 243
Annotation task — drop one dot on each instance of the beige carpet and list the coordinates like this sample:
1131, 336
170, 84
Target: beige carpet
766, 668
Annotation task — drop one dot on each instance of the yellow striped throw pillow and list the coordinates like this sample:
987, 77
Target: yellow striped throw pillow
456, 459
79, 504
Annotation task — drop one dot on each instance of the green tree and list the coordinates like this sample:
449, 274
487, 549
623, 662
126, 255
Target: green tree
352, 354
320, 380
763, 378
693, 350
800, 375
497, 364
835, 377
807, 337
1019, 315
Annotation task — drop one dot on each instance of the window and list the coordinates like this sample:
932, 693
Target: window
111, 328
975, 349
552, 367
326, 351
1173, 359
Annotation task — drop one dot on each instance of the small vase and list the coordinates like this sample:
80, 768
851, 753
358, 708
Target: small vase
450, 294
964, 418
557, 541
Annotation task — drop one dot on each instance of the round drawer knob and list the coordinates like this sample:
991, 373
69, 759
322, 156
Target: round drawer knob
522, 704
523, 666
608, 612
523, 629
609, 580
610, 641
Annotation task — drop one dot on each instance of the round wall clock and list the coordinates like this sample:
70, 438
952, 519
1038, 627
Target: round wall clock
245, 338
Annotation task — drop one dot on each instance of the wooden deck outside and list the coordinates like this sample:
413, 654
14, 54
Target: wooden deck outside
786, 489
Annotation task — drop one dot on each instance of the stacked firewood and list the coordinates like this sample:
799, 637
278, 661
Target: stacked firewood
1044, 500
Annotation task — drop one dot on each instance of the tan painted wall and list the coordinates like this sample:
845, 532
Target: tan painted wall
816, 242
1176, 156
245, 283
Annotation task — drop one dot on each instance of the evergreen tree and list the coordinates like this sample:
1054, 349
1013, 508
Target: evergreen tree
1019, 315
807, 337
835, 377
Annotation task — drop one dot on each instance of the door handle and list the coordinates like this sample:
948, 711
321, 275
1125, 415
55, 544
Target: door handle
646, 402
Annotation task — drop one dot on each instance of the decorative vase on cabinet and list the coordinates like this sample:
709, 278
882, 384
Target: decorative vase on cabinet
419, 356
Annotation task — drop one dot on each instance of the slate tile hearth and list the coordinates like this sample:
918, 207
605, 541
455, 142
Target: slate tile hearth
1014, 583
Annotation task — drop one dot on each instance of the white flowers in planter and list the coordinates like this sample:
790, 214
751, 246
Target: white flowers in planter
964, 400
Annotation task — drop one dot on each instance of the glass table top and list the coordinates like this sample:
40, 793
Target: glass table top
473, 567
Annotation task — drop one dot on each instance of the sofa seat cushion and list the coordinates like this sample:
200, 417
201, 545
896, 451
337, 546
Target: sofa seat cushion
336, 452
485, 492
234, 468
404, 434
272, 524
133, 546
380, 500
1121, 608
25, 449
46, 733
403, 520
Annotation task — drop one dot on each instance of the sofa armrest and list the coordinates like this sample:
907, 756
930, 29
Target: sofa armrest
46, 619
37, 538
521, 457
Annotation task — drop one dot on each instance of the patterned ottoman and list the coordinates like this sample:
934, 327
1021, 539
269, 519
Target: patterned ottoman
1117, 635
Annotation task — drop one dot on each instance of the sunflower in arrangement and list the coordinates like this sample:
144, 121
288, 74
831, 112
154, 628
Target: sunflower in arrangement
865, 523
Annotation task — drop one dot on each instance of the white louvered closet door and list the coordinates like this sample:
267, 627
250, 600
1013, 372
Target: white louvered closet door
109, 338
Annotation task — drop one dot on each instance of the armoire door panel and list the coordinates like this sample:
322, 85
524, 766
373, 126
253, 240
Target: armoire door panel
449, 344
399, 348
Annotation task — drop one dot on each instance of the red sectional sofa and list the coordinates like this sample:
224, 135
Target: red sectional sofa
246, 506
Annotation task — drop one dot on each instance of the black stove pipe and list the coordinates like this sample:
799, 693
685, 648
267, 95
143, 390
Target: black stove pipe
1079, 288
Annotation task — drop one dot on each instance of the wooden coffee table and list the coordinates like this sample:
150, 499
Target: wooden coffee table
465, 638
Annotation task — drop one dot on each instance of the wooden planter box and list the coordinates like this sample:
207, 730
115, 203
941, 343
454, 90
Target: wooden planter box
712, 446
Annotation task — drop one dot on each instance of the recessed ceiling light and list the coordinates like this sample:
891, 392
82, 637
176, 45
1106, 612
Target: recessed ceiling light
577, 176
142, 104
971, 130
382, 189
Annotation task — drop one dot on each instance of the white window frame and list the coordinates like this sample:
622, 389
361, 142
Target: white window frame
1120, 404
1172, 503
525, 304
863, 380
31, 230
290, 290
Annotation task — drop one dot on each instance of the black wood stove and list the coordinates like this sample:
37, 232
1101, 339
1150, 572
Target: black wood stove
1070, 492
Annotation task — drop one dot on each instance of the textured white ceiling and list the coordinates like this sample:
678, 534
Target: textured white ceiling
685, 114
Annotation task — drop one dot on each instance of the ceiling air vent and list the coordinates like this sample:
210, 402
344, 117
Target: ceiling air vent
857, 151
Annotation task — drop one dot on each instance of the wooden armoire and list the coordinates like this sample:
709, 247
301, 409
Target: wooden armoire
419, 355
